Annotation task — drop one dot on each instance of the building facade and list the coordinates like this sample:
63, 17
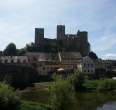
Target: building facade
88, 66
49, 62
14, 60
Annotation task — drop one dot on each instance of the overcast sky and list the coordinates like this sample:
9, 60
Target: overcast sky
18, 18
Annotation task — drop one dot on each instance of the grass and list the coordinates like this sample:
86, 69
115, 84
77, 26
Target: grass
100, 85
39, 93
28, 105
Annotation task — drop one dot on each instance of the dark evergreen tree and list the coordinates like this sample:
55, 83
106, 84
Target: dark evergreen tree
10, 50
21, 52
93, 55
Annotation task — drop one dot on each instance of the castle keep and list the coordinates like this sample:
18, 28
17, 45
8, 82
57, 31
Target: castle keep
64, 42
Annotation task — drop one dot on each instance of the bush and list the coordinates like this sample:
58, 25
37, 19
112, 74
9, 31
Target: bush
106, 84
77, 80
8, 98
33, 106
100, 85
90, 85
62, 95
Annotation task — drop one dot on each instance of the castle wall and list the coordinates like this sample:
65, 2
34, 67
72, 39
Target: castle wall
67, 42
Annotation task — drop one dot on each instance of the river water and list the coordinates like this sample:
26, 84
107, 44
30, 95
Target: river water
108, 106
96, 101
84, 101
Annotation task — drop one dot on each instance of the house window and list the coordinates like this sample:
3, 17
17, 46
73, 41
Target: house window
12, 61
91, 65
88, 65
43, 68
18, 61
6, 61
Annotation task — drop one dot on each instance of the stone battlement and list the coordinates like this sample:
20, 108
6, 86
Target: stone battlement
64, 42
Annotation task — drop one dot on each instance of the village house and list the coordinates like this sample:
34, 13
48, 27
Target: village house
102, 66
14, 59
49, 62
88, 66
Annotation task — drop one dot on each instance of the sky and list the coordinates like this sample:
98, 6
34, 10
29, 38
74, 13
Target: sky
19, 18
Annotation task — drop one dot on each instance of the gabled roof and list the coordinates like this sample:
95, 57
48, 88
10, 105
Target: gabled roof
70, 55
43, 56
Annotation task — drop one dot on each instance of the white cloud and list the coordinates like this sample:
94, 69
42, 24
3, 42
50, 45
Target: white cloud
18, 19
111, 56
105, 42
15, 4
13, 33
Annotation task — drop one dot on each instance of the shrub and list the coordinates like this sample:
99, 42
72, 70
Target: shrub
100, 85
8, 98
33, 106
90, 85
62, 95
77, 80
106, 84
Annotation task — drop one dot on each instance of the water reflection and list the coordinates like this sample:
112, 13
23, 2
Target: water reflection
96, 101
108, 106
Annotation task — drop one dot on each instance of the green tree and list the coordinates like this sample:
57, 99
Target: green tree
10, 50
77, 79
93, 55
62, 95
8, 98
21, 52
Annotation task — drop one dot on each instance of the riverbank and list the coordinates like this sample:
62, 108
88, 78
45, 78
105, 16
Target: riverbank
102, 85
40, 91
29, 105
84, 100
68, 93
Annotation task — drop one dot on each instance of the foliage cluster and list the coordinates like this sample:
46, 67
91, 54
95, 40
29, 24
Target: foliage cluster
100, 85
8, 98
11, 50
18, 76
93, 55
26, 105
62, 95
76, 80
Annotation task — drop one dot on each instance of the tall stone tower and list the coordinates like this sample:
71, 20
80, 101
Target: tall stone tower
84, 44
60, 32
83, 36
39, 35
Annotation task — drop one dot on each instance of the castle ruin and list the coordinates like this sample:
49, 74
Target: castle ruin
64, 42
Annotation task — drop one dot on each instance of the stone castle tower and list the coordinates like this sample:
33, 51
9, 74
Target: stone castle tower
39, 35
60, 32
69, 42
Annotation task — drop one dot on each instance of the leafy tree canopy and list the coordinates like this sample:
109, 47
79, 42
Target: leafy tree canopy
10, 50
93, 55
